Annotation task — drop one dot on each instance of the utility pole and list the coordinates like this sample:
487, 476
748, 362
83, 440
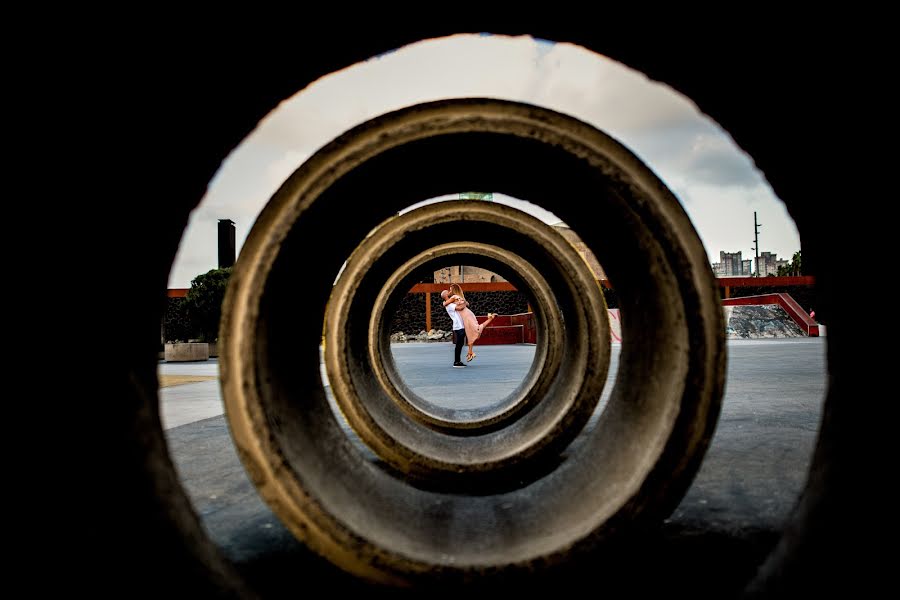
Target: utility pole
756, 227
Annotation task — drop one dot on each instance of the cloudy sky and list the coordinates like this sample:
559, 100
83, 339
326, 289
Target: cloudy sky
717, 183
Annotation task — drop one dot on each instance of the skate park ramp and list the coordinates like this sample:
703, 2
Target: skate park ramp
753, 317
774, 322
759, 321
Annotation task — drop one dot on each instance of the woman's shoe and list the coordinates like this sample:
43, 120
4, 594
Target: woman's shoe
470, 357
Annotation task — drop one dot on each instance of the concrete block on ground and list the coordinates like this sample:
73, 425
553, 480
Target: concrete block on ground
187, 351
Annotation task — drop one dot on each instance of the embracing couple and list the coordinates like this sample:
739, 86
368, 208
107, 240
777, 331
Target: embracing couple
465, 325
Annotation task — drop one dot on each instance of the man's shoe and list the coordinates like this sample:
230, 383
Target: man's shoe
458, 365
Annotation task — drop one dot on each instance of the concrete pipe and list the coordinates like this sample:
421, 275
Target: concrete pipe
634, 465
540, 418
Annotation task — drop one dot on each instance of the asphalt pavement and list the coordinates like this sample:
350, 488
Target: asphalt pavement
729, 518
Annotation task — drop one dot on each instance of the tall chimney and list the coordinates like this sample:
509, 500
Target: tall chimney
226, 243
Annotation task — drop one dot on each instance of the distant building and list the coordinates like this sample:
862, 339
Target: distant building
767, 264
465, 274
732, 265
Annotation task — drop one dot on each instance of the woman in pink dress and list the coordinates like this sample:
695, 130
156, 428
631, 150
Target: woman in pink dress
473, 327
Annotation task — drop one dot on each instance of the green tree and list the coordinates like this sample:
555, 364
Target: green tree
793, 268
203, 303
796, 264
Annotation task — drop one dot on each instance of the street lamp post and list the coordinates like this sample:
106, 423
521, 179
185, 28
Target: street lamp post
756, 227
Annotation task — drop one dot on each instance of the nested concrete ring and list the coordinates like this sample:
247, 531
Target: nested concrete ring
631, 468
539, 418
548, 320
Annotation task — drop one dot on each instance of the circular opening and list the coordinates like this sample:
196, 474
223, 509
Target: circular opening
429, 375
422, 341
684, 195
369, 390
426, 360
646, 441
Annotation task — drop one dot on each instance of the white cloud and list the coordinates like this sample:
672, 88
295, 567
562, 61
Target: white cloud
716, 182
723, 218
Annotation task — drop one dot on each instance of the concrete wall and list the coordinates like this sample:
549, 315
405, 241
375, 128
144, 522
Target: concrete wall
188, 351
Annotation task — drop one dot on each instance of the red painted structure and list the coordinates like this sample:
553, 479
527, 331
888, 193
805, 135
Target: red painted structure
492, 286
727, 283
497, 332
509, 329
521, 328
528, 324
785, 301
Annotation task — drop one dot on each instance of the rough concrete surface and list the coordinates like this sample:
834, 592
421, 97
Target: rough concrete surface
730, 517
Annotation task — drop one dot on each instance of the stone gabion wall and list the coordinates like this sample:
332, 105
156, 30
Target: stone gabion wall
410, 316
504, 303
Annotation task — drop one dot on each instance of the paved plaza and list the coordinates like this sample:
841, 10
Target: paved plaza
745, 489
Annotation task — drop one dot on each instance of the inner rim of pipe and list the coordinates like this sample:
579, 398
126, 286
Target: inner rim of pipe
609, 469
